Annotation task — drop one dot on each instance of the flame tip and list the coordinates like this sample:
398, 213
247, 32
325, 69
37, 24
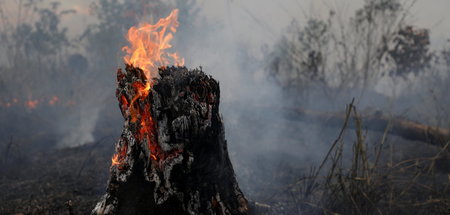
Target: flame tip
148, 45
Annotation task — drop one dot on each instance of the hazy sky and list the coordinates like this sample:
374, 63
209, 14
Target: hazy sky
269, 18
262, 22
276, 15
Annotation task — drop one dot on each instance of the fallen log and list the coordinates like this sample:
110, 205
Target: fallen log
376, 121
172, 156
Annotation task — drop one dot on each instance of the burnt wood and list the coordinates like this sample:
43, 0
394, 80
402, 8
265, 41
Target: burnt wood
175, 162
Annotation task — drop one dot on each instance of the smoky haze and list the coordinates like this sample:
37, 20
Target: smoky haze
72, 51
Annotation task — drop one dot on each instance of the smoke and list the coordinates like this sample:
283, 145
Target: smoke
230, 40
231, 46
81, 130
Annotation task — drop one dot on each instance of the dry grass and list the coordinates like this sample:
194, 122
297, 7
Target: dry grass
372, 182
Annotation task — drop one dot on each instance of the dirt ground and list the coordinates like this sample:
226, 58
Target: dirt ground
45, 183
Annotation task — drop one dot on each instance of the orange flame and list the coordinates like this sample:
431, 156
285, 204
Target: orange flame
115, 159
148, 51
149, 44
118, 158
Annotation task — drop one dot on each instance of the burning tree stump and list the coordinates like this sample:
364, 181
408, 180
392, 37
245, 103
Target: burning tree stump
172, 156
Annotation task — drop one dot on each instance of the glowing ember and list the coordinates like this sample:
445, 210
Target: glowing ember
115, 159
148, 50
118, 158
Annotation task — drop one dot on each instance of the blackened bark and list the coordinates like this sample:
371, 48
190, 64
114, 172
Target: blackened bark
172, 156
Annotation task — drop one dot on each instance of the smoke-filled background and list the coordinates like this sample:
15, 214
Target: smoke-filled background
58, 64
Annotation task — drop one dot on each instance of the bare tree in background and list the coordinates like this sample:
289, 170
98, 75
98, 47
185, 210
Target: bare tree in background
35, 73
34, 47
375, 41
409, 51
299, 60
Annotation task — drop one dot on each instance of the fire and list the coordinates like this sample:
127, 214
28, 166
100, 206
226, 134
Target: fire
33, 103
115, 160
120, 156
149, 44
148, 50
53, 100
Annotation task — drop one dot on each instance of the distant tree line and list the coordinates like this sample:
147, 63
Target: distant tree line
376, 41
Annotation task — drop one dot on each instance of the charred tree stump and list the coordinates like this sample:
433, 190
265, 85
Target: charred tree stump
172, 156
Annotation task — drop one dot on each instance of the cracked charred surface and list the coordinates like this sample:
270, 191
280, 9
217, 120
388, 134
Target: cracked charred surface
172, 156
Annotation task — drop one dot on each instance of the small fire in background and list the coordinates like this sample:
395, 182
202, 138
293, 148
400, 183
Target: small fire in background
33, 103
148, 50
53, 100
